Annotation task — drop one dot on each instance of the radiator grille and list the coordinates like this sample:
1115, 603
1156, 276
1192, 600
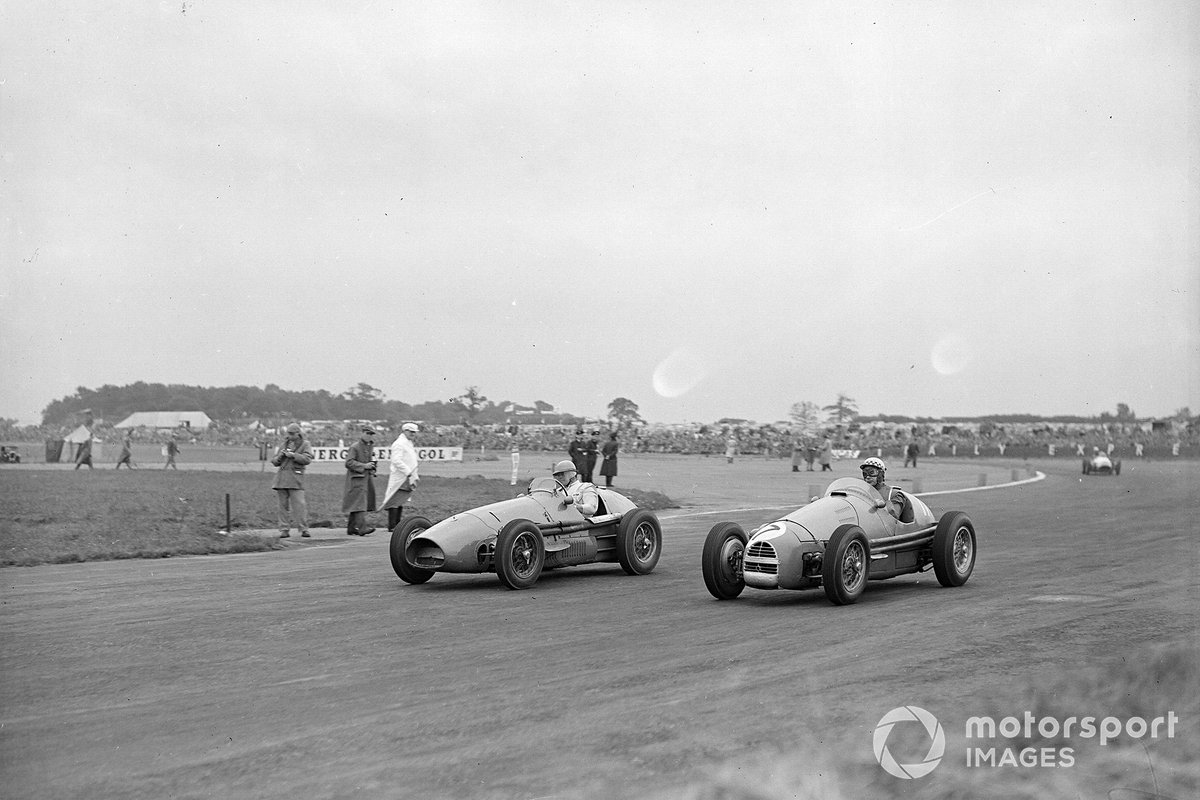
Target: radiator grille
760, 557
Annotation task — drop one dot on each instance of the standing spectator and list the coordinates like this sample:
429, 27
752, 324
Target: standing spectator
731, 445
609, 468
170, 450
292, 457
827, 455
810, 455
576, 450
403, 477
591, 450
126, 456
358, 497
911, 450
797, 453
84, 454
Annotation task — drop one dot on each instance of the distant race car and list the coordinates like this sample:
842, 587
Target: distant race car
839, 542
518, 538
1100, 464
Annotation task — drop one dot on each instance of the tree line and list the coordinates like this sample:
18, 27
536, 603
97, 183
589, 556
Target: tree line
271, 403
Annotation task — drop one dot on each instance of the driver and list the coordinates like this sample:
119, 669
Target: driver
582, 494
898, 504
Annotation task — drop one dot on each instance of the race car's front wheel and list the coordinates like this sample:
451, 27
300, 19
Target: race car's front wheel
722, 560
844, 567
410, 528
520, 554
954, 549
639, 542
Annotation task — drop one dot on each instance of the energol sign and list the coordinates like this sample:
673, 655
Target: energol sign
385, 453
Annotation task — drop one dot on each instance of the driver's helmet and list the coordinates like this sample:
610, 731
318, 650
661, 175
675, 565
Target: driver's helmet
562, 467
873, 469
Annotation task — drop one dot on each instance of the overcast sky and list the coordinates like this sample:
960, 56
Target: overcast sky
713, 209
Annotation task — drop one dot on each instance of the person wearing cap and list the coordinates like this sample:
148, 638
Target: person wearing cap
577, 451
292, 457
591, 451
581, 493
358, 497
898, 504
403, 477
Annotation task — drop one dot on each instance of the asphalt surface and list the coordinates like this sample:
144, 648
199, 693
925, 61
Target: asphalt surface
315, 672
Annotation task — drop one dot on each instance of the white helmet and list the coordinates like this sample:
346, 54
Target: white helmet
874, 462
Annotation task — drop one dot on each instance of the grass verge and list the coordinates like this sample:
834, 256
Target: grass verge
54, 517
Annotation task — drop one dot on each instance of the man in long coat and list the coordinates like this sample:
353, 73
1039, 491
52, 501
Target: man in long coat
358, 496
292, 457
577, 452
403, 478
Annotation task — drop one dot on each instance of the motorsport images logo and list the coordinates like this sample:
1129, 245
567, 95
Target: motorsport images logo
937, 742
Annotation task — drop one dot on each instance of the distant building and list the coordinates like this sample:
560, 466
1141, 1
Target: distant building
193, 420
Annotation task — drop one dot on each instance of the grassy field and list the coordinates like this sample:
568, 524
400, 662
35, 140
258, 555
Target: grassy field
55, 516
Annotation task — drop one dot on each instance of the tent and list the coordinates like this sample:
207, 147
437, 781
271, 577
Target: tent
78, 437
159, 420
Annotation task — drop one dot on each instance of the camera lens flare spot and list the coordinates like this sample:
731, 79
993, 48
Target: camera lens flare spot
679, 373
951, 355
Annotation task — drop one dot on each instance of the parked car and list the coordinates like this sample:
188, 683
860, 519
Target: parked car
838, 542
518, 538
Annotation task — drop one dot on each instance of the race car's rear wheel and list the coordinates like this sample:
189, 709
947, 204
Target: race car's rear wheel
845, 565
954, 549
410, 528
639, 542
722, 560
520, 554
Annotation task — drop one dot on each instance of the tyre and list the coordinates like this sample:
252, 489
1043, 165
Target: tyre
520, 554
639, 542
411, 527
954, 549
845, 565
722, 560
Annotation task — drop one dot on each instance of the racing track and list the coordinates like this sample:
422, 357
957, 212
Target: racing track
316, 673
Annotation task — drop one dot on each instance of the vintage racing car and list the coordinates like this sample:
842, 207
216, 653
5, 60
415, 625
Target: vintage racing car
1101, 464
518, 538
839, 542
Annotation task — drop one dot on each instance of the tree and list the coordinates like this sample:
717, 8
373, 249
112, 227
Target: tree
624, 411
845, 408
805, 414
363, 391
473, 401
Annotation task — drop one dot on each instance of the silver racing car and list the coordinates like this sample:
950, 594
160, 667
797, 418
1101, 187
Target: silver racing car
518, 538
839, 542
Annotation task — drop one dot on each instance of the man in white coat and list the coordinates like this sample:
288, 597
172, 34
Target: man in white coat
403, 478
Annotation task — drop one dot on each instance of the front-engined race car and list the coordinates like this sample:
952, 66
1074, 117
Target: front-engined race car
839, 542
1101, 464
518, 538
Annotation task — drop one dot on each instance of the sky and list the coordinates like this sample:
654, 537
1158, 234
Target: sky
712, 209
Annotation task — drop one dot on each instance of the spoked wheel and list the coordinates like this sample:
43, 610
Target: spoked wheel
639, 542
401, 536
845, 565
520, 554
954, 549
722, 560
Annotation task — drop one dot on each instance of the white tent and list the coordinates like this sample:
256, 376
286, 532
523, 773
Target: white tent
194, 420
78, 436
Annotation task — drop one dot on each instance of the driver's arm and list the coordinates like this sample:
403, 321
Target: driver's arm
587, 501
